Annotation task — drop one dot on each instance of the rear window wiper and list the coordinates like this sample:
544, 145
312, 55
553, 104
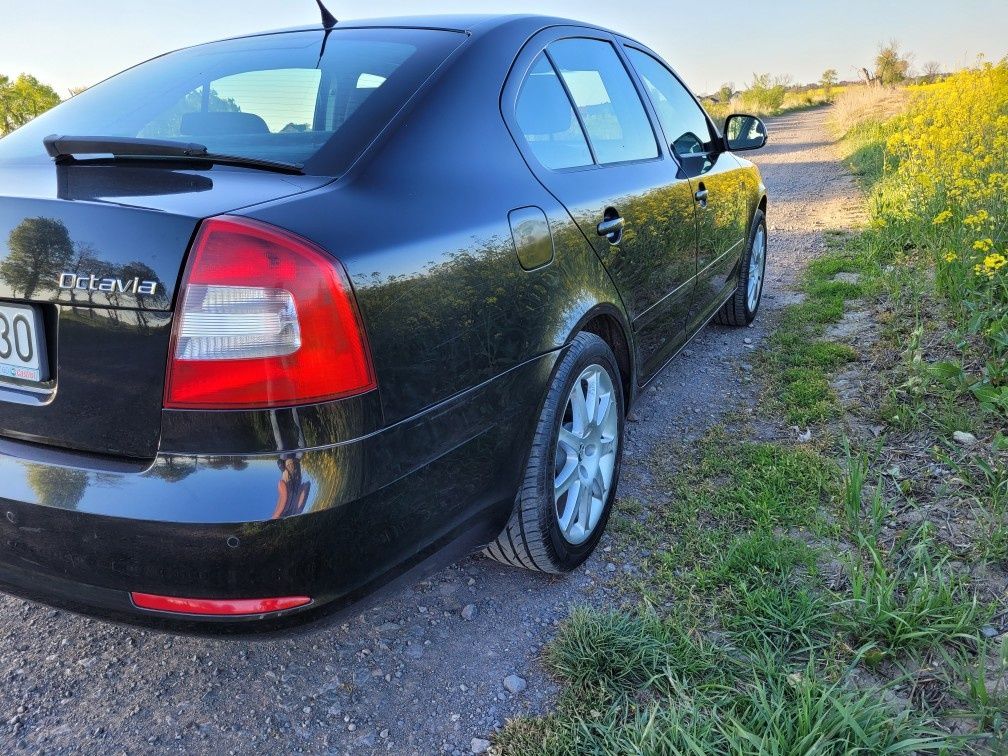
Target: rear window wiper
64, 149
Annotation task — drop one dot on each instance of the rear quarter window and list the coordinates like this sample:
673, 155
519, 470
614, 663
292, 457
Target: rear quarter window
547, 120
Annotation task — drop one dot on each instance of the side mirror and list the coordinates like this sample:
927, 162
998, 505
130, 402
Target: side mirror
744, 132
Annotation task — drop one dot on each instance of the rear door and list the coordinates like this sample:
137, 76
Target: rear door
718, 180
586, 133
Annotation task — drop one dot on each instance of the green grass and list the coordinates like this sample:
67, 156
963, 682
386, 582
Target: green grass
866, 154
611, 655
631, 690
761, 485
919, 604
799, 362
785, 621
806, 712
978, 681
740, 646
715, 534
760, 558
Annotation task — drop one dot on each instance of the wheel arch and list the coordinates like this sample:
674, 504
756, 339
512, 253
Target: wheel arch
609, 323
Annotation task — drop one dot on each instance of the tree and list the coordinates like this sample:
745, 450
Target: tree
891, 64
829, 80
22, 100
725, 93
40, 249
932, 70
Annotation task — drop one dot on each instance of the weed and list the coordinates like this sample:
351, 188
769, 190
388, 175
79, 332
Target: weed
920, 604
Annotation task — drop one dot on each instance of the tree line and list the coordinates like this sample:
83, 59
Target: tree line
23, 99
770, 95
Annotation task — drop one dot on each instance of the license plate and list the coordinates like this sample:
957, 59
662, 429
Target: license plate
22, 345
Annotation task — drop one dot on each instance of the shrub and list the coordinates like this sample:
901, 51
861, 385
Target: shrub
946, 191
765, 96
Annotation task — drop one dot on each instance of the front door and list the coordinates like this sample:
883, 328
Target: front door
720, 184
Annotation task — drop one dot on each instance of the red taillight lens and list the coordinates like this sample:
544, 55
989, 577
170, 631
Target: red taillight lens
265, 319
217, 607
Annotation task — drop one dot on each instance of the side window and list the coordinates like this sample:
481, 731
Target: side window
612, 112
681, 118
547, 120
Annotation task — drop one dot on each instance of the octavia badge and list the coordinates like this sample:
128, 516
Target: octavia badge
73, 282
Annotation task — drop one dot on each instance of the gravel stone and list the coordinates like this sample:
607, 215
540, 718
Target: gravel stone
479, 745
515, 684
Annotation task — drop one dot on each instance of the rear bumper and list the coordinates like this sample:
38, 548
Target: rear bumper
91, 564
333, 523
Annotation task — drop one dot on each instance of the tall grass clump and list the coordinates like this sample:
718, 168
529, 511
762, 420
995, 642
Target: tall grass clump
861, 104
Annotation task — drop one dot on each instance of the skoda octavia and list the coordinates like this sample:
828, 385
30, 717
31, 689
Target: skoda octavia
286, 317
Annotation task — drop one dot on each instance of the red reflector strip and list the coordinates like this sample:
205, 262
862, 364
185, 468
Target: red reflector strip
217, 607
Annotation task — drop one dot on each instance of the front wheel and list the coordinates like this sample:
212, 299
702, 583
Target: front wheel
573, 466
741, 309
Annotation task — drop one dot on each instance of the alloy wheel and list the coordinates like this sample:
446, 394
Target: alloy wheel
586, 454
757, 269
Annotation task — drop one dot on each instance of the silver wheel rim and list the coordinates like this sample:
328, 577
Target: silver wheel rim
585, 454
757, 267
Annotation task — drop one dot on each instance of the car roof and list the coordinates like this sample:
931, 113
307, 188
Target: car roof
472, 23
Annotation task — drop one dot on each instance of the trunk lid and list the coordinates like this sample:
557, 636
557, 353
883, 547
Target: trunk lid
97, 251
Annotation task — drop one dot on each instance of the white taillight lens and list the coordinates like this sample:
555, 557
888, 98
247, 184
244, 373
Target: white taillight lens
237, 323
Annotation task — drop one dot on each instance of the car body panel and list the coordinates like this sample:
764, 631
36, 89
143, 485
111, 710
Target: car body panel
105, 493
330, 523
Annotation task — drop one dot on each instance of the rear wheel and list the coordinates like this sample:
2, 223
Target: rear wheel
573, 466
741, 309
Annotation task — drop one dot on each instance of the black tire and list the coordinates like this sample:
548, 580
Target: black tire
533, 538
736, 311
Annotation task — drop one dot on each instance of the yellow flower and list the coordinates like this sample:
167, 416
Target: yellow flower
943, 217
977, 219
951, 257
983, 245
993, 263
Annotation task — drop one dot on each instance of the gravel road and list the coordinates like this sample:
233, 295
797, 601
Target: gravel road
425, 671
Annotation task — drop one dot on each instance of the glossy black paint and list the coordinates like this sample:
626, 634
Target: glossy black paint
101, 488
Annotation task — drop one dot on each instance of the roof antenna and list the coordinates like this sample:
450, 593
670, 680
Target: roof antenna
328, 19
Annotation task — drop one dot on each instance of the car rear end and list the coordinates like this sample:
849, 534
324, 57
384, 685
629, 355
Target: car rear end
188, 407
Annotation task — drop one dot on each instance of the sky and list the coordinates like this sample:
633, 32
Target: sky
68, 43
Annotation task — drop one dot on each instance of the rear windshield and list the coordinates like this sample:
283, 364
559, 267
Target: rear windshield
296, 97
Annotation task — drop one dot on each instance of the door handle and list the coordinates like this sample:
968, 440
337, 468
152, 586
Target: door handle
701, 197
612, 228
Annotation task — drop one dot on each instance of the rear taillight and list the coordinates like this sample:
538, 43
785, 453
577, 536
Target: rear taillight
265, 319
217, 607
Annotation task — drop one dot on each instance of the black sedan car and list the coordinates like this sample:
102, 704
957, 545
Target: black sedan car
286, 317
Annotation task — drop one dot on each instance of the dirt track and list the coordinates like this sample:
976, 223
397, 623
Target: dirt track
411, 675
